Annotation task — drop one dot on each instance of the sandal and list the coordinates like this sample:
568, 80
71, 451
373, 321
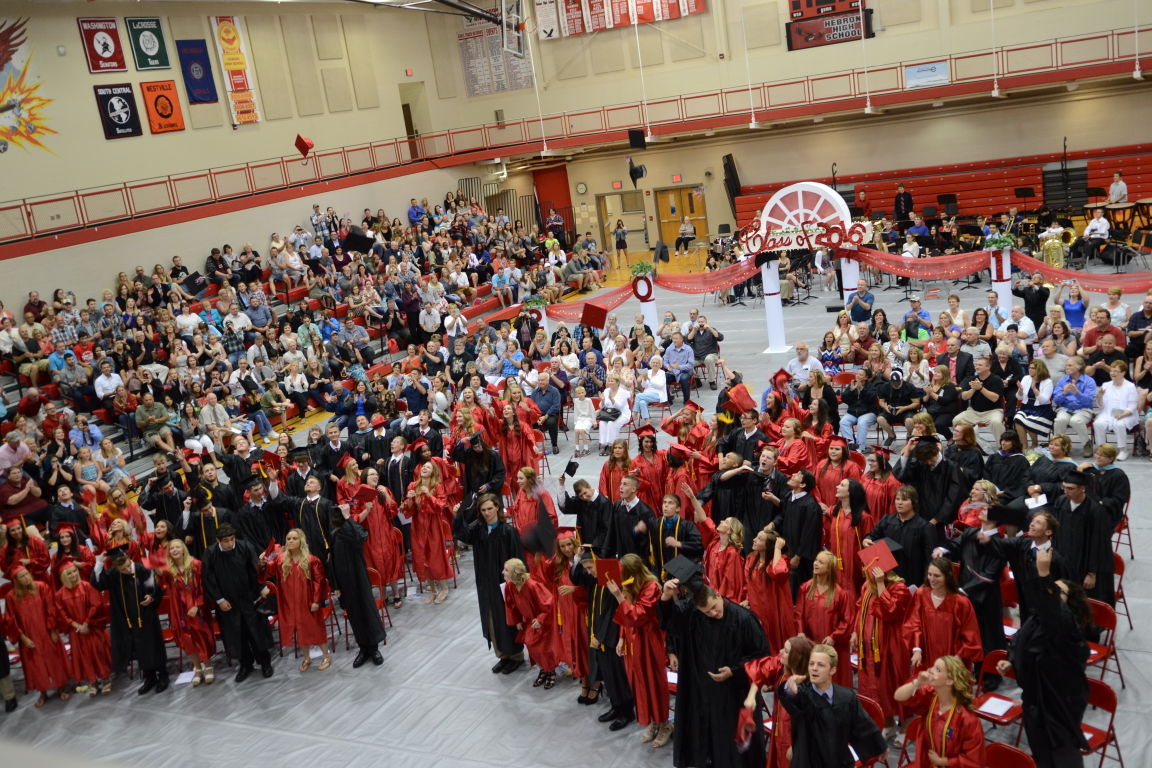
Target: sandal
550, 681
197, 678
306, 663
441, 596
209, 675
64, 695
106, 687
41, 701
324, 663
540, 678
397, 602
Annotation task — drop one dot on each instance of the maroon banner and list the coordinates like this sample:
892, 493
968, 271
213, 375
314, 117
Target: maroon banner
572, 311
707, 282
597, 15
618, 14
573, 17
827, 30
102, 49
668, 9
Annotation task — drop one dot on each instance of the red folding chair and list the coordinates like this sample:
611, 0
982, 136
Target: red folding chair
912, 730
998, 755
987, 699
1122, 534
542, 451
874, 711
1101, 696
1103, 654
1121, 601
379, 596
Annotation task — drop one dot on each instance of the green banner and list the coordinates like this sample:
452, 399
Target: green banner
148, 46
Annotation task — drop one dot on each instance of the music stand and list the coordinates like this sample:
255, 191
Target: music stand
1024, 193
948, 203
1097, 192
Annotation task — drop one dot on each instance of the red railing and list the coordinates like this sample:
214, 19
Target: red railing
1095, 55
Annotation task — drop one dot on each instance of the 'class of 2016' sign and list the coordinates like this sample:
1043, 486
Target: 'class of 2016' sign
102, 49
118, 115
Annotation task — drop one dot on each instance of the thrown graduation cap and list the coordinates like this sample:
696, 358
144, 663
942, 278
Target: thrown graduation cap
1004, 515
571, 468
739, 399
683, 570
541, 537
593, 315
636, 172
781, 375
881, 553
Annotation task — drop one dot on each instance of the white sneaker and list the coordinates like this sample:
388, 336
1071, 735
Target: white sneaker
1122, 456
273, 435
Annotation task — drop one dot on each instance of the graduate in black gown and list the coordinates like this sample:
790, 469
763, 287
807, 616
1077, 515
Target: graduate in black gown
1107, 482
827, 718
302, 469
313, 514
1008, 468
940, 483
671, 534
494, 541
908, 528
481, 467
1047, 473
623, 534
1085, 538
349, 576
604, 664
1049, 655
260, 520
800, 523
714, 638
205, 520
591, 509
766, 487
232, 581
727, 489
745, 439
134, 595
208, 484
1021, 551
242, 462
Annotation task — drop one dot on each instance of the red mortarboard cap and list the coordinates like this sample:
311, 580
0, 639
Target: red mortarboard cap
883, 451
607, 569
378, 421
644, 431
692, 405
680, 450
18, 569
594, 316
88, 494
781, 374
739, 399
344, 461
69, 527
417, 444
566, 533
493, 390
879, 554
839, 440
303, 145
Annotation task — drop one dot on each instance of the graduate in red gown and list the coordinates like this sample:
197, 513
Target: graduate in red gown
687, 427
952, 734
69, 549
526, 515
680, 474
793, 453
32, 627
529, 606
618, 465
642, 647
349, 481
526, 408
878, 637
941, 620
572, 613
771, 671
449, 470
301, 613
374, 508
155, 545
845, 524
834, 469
188, 610
651, 466
819, 432
17, 548
880, 484
723, 554
517, 445
824, 610
769, 593
84, 617
116, 538
427, 505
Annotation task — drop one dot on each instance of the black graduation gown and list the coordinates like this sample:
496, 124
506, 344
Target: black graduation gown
235, 577
260, 523
240, 470
980, 569
591, 517
1085, 541
202, 529
942, 488
490, 550
917, 538
707, 711
221, 494
801, 524
969, 460
1018, 552
136, 631
659, 553
349, 575
727, 496
358, 446
433, 437
1049, 653
1008, 473
294, 485
745, 445
73, 515
1047, 474
378, 446
328, 463
822, 732
1111, 488
397, 475
620, 537
169, 508
756, 511
314, 518
603, 662
475, 471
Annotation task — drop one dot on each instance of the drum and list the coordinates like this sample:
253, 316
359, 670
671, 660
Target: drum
1090, 210
1144, 211
1121, 215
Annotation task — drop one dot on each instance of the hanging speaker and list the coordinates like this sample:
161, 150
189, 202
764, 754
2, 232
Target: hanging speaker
636, 139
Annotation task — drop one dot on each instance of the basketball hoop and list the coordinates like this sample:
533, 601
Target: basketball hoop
512, 27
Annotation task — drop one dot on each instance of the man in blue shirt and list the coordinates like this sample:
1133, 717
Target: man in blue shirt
919, 313
547, 399
679, 361
859, 304
415, 213
918, 228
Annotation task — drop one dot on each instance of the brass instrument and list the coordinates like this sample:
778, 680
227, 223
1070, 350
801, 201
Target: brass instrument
1052, 250
1068, 236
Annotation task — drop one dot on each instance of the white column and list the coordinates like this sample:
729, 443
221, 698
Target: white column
1001, 267
849, 274
773, 308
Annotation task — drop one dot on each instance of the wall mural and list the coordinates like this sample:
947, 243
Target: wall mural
23, 122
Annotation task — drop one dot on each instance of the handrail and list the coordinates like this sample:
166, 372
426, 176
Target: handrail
969, 71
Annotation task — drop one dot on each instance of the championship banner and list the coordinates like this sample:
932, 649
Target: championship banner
118, 114
162, 105
148, 47
567, 18
101, 40
238, 82
197, 70
828, 30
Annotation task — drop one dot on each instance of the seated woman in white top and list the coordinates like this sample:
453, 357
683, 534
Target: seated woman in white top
653, 386
1118, 409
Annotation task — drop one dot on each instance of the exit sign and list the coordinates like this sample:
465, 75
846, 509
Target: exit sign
677, 178
617, 185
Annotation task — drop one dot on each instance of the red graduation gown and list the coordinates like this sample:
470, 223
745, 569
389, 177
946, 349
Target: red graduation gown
723, 568
881, 495
843, 539
84, 560
793, 457
960, 738
35, 616
157, 557
517, 451
610, 476
193, 634
818, 442
828, 476
572, 611
818, 620
645, 656
526, 516
879, 628
430, 515
34, 550
769, 671
652, 473
950, 630
676, 478
103, 542
694, 437
89, 655
533, 601
384, 550
770, 598
297, 593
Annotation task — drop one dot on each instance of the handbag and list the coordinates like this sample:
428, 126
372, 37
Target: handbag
608, 414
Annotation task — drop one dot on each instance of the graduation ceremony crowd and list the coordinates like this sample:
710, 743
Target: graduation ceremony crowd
813, 579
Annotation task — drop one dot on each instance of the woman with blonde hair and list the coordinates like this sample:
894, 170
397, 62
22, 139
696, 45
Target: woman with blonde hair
982, 496
952, 734
530, 607
427, 505
767, 574
642, 647
82, 615
188, 610
824, 611
618, 398
878, 635
299, 577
